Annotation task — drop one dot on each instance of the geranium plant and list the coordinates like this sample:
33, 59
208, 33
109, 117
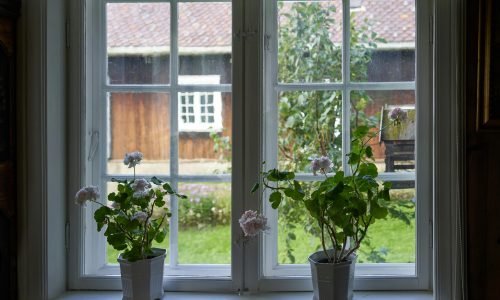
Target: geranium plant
343, 205
137, 215
252, 223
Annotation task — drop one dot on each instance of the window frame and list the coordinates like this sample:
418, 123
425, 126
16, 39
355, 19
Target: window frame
91, 270
396, 277
246, 88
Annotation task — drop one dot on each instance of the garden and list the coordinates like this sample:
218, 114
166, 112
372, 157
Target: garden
204, 230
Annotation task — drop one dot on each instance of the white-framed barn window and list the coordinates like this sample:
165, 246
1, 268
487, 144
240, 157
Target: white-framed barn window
200, 111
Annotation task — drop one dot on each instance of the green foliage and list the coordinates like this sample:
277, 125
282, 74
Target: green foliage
209, 205
127, 232
343, 207
310, 121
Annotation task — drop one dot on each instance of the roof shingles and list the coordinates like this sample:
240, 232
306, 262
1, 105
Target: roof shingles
145, 25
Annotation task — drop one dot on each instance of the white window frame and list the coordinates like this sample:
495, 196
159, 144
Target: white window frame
248, 91
198, 125
92, 271
387, 276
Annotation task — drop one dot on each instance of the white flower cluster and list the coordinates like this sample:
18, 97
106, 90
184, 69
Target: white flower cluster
252, 223
140, 216
323, 164
87, 193
141, 188
133, 158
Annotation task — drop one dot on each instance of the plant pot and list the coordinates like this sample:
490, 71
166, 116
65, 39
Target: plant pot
332, 281
143, 279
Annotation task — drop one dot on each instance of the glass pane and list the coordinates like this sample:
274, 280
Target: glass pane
111, 253
139, 122
205, 147
298, 235
392, 240
204, 223
138, 43
383, 41
310, 41
205, 38
310, 125
394, 148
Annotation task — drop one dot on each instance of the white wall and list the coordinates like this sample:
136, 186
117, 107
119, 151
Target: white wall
42, 140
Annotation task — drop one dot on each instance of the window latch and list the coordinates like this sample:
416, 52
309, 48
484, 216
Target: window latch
94, 143
267, 39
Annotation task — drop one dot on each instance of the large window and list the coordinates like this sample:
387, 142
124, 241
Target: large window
164, 88
332, 66
303, 75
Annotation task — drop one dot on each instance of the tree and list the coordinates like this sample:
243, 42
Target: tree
310, 122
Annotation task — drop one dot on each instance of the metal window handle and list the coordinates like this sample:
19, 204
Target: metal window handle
94, 143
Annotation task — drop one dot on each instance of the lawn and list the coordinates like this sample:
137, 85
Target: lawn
391, 240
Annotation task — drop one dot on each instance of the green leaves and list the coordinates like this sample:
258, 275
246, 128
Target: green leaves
275, 175
275, 199
255, 187
101, 215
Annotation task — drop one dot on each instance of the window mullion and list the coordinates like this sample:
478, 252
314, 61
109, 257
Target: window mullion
174, 131
346, 78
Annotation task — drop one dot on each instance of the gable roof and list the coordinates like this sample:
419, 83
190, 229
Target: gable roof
144, 28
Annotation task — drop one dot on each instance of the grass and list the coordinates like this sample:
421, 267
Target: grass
389, 240
393, 239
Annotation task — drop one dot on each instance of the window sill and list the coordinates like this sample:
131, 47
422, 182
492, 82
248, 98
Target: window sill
379, 295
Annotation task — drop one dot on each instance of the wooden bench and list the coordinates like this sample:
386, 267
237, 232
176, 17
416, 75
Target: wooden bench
399, 144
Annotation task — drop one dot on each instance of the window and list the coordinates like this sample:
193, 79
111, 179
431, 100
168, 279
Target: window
324, 78
200, 111
164, 74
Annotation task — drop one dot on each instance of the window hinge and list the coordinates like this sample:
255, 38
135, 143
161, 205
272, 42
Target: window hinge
267, 39
431, 234
94, 143
66, 236
67, 34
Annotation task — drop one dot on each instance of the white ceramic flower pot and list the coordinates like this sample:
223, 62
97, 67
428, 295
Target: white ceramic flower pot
143, 279
332, 281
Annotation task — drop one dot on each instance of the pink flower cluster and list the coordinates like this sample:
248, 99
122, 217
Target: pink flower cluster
87, 193
133, 158
141, 188
323, 164
398, 115
252, 223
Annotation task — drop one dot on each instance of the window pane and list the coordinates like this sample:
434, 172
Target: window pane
111, 253
205, 39
139, 122
298, 236
394, 148
204, 223
392, 240
383, 41
138, 43
310, 125
310, 41
205, 145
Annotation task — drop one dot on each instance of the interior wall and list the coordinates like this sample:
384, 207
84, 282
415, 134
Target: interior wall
483, 162
41, 144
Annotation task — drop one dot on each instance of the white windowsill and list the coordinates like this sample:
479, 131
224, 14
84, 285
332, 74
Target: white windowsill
379, 295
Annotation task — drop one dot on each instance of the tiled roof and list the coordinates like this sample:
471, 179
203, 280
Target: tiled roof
143, 27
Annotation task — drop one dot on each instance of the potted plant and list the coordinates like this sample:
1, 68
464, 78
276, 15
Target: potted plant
136, 217
343, 204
